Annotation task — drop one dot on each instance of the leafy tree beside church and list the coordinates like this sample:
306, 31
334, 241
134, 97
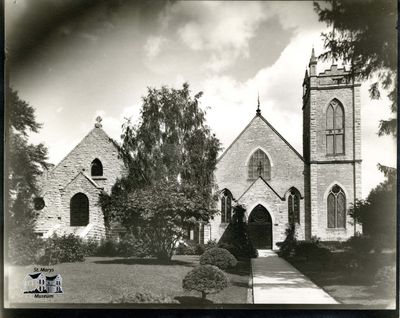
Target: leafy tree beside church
24, 163
170, 157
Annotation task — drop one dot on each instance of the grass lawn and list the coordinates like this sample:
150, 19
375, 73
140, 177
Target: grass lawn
102, 279
351, 288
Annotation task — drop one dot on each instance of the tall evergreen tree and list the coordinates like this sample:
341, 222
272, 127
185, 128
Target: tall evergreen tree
364, 34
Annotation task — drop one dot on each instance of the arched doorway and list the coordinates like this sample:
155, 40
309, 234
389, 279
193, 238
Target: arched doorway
260, 228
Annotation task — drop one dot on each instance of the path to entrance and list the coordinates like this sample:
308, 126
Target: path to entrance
275, 281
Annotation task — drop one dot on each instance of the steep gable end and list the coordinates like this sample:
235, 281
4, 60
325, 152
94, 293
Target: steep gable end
271, 127
96, 145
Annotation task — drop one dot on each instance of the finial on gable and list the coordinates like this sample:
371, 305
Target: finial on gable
258, 111
98, 122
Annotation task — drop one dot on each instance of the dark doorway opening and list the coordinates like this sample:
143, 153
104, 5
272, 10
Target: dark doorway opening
260, 228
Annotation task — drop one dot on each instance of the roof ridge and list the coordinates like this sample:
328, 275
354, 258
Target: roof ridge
273, 190
280, 136
80, 142
270, 126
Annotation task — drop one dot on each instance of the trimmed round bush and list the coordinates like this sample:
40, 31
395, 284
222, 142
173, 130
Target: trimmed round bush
219, 257
206, 279
145, 298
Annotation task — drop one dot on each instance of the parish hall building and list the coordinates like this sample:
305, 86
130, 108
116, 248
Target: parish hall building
260, 170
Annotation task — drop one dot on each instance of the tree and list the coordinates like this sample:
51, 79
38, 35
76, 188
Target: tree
23, 166
170, 157
364, 34
377, 213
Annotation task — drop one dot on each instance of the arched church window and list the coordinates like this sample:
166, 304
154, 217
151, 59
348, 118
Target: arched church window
79, 210
259, 166
96, 168
335, 128
294, 206
336, 208
226, 206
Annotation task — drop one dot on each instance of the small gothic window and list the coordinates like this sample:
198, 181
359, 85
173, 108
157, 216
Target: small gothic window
336, 208
259, 166
226, 206
294, 206
79, 210
96, 168
335, 128
38, 204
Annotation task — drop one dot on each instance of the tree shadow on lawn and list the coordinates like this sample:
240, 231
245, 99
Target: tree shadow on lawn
145, 261
191, 300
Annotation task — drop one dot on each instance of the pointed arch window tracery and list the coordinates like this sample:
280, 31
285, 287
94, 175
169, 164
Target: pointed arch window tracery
335, 128
259, 166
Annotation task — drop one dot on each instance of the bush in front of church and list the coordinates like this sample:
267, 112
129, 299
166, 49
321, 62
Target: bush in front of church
63, 249
206, 279
287, 247
219, 257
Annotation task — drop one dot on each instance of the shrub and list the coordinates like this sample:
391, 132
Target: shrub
190, 248
207, 279
62, 249
286, 248
219, 257
360, 244
130, 246
311, 250
211, 244
385, 278
90, 246
108, 248
145, 298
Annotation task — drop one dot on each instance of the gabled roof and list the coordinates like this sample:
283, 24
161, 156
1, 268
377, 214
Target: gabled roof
272, 128
83, 139
86, 176
273, 190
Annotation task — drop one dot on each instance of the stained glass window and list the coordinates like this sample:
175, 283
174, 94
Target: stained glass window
259, 166
336, 205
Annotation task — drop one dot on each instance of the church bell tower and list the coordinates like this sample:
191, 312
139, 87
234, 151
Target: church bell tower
331, 149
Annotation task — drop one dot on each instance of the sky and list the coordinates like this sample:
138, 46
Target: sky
75, 60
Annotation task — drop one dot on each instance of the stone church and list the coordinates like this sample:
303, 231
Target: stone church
259, 170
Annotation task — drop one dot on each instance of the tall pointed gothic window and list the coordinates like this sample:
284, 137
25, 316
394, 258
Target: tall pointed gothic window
226, 206
335, 128
294, 206
259, 166
96, 168
336, 208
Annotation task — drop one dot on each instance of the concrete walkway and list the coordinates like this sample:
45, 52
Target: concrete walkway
275, 281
